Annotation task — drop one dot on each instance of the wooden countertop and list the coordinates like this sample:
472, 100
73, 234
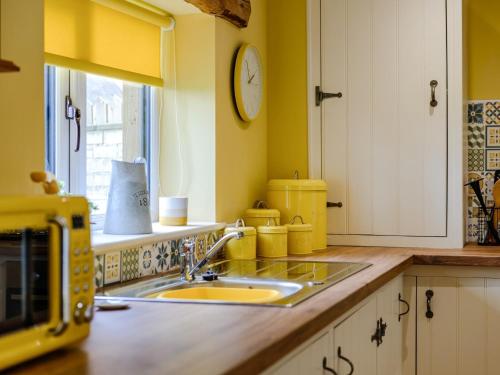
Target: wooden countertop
166, 338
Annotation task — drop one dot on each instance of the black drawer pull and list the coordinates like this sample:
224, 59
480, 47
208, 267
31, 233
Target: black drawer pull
345, 359
429, 294
407, 307
328, 369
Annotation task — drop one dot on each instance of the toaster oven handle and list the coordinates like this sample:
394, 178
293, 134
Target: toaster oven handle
64, 290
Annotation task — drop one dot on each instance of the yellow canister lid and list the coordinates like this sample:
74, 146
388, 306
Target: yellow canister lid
300, 226
271, 227
296, 184
248, 231
262, 212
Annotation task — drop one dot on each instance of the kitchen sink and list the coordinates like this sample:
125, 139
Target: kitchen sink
258, 282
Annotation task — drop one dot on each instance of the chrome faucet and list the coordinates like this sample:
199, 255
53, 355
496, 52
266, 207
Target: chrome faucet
187, 255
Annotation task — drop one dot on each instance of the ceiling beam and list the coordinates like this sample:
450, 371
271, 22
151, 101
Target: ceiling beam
235, 11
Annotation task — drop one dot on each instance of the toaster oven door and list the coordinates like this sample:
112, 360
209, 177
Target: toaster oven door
30, 272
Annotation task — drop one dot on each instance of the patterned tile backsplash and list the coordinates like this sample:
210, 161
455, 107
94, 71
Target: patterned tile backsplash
483, 155
148, 259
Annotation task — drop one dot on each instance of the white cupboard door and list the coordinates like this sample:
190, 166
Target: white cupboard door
383, 144
493, 326
310, 360
389, 352
409, 323
352, 336
437, 339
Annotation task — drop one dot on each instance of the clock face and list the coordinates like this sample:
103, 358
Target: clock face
248, 82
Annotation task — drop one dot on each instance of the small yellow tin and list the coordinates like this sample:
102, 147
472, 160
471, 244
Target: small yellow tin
299, 237
260, 214
272, 240
245, 247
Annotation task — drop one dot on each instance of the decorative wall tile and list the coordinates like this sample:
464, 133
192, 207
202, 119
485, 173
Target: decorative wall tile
472, 176
492, 112
492, 159
112, 267
492, 136
475, 160
146, 260
146, 266
475, 113
99, 271
130, 264
475, 137
161, 256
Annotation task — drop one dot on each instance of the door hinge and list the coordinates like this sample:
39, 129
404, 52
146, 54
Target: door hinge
320, 95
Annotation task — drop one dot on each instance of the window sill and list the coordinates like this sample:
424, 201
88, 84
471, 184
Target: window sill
102, 243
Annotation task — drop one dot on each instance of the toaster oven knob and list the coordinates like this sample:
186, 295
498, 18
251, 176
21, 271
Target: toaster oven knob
79, 313
89, 313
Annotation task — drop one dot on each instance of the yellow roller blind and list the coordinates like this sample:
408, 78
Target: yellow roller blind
115, 38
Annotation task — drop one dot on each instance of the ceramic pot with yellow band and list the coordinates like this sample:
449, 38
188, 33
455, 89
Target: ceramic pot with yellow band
245, 247
272, 240
299, 237
260, 214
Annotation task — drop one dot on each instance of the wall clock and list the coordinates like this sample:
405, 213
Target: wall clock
248, 82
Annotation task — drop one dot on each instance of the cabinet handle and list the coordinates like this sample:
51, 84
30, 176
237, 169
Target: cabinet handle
407, 307
429, 294
345, 359
433, 84
328, 369
377, 335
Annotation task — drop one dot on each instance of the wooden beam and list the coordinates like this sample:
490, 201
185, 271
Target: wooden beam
235, 11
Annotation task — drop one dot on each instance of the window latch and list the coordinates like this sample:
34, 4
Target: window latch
73, 113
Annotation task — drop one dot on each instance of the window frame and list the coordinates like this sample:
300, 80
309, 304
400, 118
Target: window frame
70, 167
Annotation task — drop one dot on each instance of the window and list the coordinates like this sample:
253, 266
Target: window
117, 123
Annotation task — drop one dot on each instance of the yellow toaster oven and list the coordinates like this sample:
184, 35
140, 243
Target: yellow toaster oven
46, 275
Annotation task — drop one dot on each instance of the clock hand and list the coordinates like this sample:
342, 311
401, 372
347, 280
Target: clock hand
252, 77
248, 69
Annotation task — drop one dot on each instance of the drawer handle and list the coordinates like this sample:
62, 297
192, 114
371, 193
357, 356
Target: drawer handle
433, 85
429, 294
328, 369
345, 359
407, 307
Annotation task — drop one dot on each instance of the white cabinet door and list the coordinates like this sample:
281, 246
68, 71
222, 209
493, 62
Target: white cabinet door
353, 338
310, 360
389, 352
457, 339
383, 145
409, 323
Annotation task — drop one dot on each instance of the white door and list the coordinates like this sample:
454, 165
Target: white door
384, 146
390, 351
310, 360
352, 342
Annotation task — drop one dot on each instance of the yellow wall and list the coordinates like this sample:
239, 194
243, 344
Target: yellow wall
187, 164
241, 148
484, 49
21, 96
287, 82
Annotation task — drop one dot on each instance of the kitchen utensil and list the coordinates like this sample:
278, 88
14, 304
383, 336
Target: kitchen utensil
491, 236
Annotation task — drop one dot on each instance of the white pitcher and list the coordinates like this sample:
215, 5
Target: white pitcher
128, 200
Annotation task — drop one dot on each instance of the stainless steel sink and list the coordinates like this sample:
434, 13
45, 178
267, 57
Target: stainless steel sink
286, 282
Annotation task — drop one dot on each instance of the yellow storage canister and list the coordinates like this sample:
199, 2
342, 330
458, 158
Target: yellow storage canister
260, 214
245, 247
306, 198
299, 237
272, 240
